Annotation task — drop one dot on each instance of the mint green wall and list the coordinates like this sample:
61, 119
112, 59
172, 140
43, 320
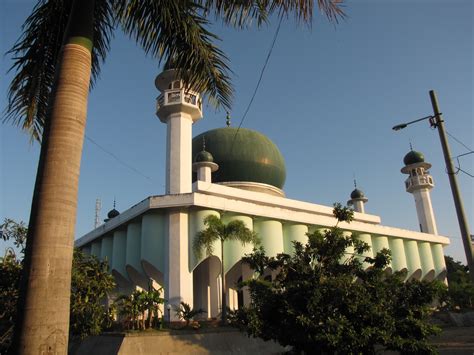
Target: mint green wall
426, 261
366, 238
399, 262
270, 233
413, 259
293, 232
95, 247
119, 248
107, 248
133, 254
439, 262
233, 250
196, 224
153, 234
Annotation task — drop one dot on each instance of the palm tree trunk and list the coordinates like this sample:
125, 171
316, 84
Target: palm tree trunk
224, 293
43, 306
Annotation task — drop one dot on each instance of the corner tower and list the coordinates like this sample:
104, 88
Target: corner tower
179, 107
419, 183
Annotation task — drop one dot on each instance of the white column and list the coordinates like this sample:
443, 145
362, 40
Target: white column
424, 211
179, 153
358, 206
178, 278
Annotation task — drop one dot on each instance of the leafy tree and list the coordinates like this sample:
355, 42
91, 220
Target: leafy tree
91, 286
63, 43
460, 292
134, 308
186, 313
217, 230
320, 305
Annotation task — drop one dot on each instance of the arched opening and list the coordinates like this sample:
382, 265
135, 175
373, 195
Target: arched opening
207, 287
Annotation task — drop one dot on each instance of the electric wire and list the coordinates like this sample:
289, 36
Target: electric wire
259, 81
128, 166
457, 140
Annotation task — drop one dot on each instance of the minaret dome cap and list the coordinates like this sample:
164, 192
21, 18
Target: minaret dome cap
203, 157
357, 194
413, 157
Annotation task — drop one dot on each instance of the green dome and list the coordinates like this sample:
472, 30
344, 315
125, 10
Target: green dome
251, 157
113, 213
203, 156
413, 157
357, 194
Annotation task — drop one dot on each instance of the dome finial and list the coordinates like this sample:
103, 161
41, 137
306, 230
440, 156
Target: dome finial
203, 143
114, 202
227, 119
355, 184
411, 146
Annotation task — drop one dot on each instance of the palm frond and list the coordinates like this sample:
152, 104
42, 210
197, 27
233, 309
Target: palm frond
35, 58
236, 230
174, 31
241, 13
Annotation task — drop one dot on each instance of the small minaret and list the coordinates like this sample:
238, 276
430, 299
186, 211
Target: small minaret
419, 183
357, 200
179, 107
204, 164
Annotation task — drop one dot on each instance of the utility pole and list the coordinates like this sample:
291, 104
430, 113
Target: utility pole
463, 225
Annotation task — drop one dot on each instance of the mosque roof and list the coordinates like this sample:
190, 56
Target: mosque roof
243, 155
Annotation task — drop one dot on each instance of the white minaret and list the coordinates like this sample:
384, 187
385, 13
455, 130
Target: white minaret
419, 183
357, 200
204, 165
179, 107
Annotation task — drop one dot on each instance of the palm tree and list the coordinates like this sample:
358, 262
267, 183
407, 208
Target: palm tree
218, 230
62, 46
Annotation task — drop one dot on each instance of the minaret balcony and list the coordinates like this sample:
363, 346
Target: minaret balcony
418, 182
179, 100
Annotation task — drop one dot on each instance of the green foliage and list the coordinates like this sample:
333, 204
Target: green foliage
323, 301
140, 309
10, 271
91, 285
460, 293
186, 313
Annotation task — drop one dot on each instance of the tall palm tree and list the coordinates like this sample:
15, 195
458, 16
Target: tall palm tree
216, 230
62, 45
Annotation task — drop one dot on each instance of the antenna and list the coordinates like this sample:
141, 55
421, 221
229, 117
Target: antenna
98, 205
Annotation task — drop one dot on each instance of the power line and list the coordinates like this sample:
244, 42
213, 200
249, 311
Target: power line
457, 140
118, 159
259, 80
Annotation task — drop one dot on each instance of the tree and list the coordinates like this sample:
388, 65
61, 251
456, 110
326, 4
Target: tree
216, 230
185, 312
91, 285
134, 307
320, 305
460, 292
63, 42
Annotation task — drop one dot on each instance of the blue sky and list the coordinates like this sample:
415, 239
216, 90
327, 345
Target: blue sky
329, 97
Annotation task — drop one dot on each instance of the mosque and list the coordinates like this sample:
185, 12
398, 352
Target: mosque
239, 175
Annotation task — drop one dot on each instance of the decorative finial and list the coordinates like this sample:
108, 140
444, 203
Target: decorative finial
411, 147
227, 119
203, 143
355, 183
114, 202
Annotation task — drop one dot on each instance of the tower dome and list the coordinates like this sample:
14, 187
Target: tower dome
357, 194
247, 159
413, 157
113, 213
